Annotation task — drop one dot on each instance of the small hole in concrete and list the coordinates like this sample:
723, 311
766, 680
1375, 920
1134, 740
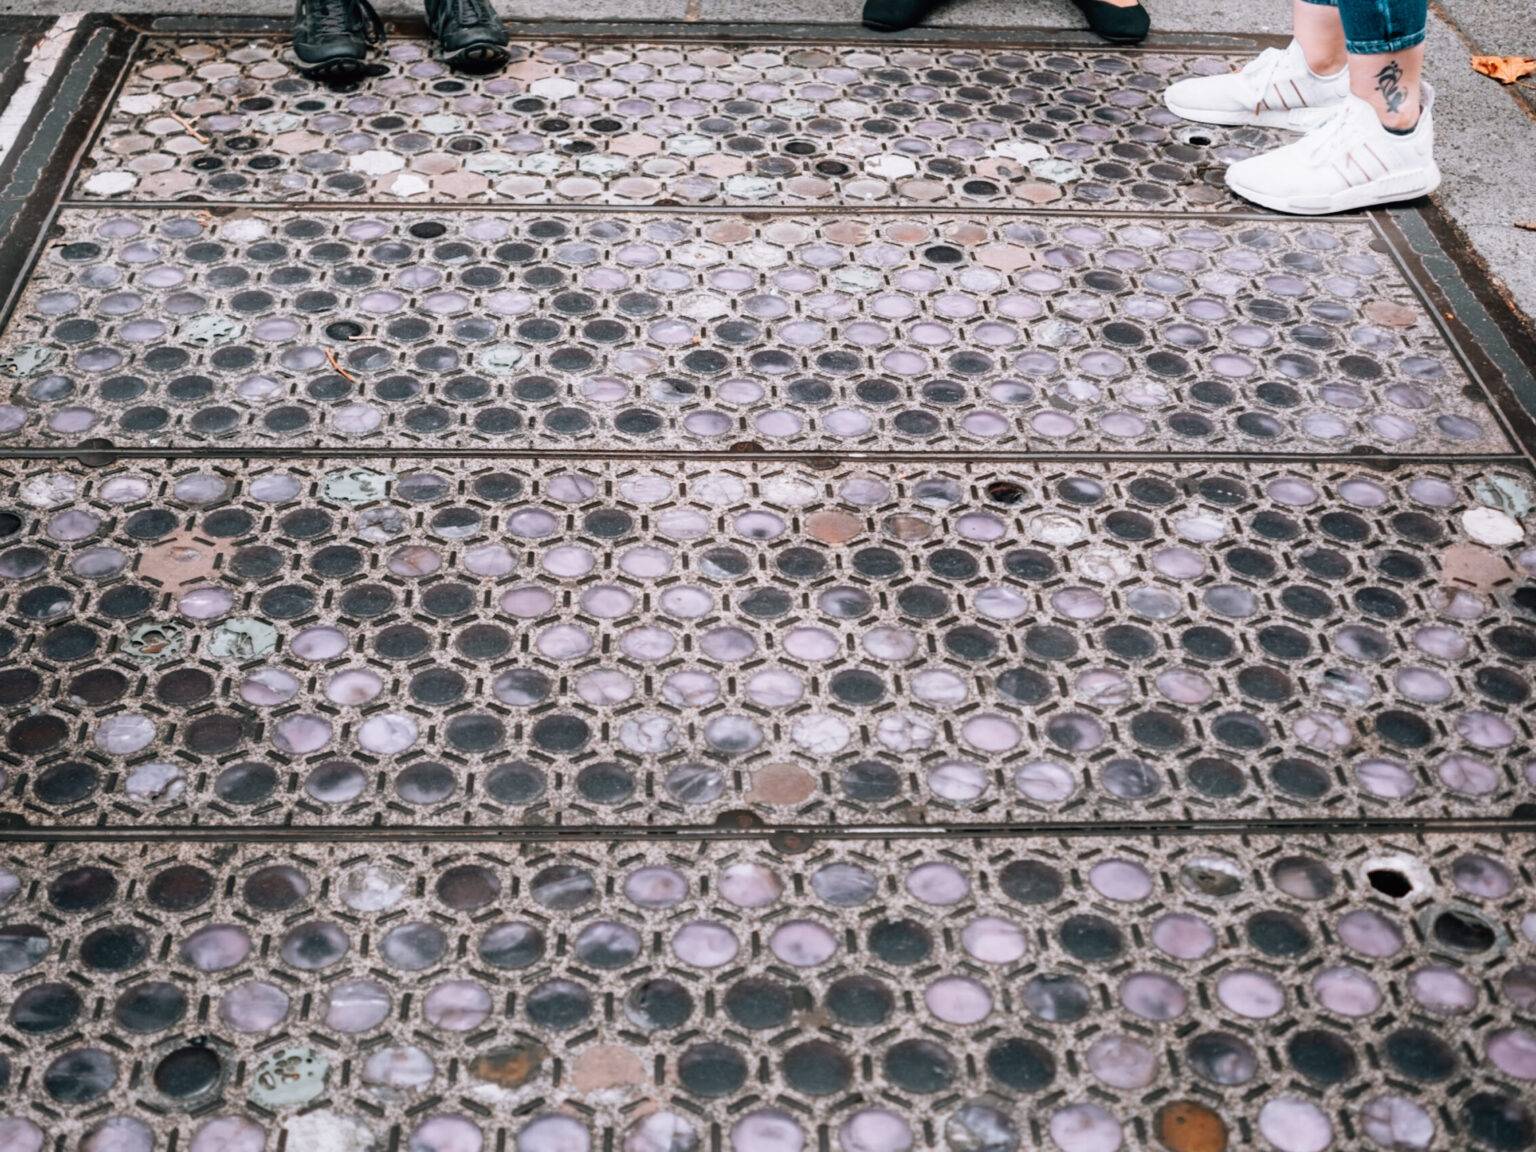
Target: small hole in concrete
1389, 882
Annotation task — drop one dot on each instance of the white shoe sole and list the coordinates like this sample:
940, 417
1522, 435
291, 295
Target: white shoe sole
1293, 120
1409, 185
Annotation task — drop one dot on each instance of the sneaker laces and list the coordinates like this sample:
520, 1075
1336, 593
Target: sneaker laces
335, 18
474, 11
1259, 73
1324, 137
466, 12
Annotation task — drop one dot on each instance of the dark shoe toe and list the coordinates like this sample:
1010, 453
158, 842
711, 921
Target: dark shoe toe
477, 56
473, 36
474, 45
1115, 24
894, 15
339, 57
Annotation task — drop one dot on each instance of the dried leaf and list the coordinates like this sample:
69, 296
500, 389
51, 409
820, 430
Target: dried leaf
1504, 69
336, 364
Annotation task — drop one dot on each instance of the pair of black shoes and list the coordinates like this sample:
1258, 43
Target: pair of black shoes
1115, 24
331, 38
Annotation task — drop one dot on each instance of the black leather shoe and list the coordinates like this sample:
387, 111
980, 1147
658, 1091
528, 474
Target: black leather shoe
469, 33
332, 37
894, 15
1117, 25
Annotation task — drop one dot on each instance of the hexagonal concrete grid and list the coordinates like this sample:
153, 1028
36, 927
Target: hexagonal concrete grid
692, 123
1001, 995
479, 800
870, 333
446, 642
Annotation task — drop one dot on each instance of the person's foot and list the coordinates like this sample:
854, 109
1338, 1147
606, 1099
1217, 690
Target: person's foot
894, 15
469, 33
1351, 161
1117, 23
331, 37
1276, 89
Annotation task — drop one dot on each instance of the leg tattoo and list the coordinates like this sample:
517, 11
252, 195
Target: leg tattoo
1389, 84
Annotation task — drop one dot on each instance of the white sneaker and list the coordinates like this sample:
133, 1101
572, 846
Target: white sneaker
1350, 162
1276, 89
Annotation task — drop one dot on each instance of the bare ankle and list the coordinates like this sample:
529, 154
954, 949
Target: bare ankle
1326, 64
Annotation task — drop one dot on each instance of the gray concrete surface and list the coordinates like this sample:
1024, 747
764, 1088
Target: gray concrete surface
1169, 15
1493, 27
1486, 146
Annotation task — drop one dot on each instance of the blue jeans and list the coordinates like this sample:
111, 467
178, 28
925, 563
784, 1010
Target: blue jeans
1374, 27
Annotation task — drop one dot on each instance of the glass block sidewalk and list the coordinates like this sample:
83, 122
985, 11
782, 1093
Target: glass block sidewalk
700, 331
1002, 994
409, 643
638, 124
807, 594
